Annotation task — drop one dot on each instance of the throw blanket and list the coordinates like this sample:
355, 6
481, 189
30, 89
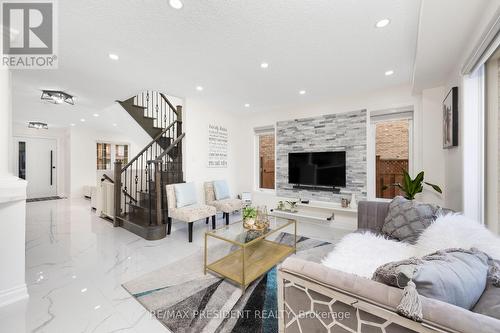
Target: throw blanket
362, 254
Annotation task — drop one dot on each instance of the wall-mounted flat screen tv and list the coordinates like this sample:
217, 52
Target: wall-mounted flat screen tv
317, 168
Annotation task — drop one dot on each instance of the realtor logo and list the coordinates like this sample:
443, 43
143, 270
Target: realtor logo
28, 34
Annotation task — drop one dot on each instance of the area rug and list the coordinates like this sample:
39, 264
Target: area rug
185, 300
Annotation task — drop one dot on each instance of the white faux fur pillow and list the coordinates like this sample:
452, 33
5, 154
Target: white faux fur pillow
363, 253
457, 231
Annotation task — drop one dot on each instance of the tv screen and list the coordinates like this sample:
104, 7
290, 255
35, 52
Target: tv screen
319, 168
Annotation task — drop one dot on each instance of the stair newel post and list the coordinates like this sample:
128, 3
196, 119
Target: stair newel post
158, 185
150, 201
179, 133
117, 190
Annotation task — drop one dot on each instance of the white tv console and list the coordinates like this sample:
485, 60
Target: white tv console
317, 211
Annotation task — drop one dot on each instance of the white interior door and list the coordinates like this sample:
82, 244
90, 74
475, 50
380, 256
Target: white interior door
36, 162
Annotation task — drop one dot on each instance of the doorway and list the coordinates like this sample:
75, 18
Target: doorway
35, 161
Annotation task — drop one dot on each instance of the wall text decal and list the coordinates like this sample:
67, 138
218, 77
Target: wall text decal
217, 146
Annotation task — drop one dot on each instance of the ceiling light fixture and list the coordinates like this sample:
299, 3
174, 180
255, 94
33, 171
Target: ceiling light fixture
389, 72
37, 125
96, 115
114, 125
72, 125
113, 56
82, 120
199, 88
57, 97
383, 23
264, 65
247, 105
175, 4
302, 92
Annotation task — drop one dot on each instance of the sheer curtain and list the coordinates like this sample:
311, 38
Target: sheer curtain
473, 144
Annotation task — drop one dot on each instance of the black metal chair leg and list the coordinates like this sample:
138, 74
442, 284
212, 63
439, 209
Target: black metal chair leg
213, 222
169, 225
190, 227
227, 218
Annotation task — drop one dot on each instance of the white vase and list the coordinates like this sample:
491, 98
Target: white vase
354, 203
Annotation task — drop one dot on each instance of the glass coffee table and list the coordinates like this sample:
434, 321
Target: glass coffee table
252, 253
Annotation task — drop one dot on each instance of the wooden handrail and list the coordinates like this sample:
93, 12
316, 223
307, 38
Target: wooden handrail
129, 196
106, 177
168, 102
172, 145
149, 145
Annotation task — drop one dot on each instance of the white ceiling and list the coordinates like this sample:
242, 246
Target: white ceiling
329, 48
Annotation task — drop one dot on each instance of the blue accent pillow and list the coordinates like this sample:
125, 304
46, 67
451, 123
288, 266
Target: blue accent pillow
185, 194
221, 190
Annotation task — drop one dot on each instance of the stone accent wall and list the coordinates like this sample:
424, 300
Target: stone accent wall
392, 140
333, 132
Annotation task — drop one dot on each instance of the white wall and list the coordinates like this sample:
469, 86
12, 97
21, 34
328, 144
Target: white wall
12, 207
396, 97
434, 156
83, 153
197, 116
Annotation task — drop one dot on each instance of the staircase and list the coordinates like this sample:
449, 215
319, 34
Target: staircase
140, 198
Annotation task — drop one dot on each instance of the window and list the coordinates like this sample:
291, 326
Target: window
391, 150
391, 156
265, 165
109, 153
121, 153
103, 156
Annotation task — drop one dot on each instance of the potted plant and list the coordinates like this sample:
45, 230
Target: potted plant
411, 187
249, 215
281, 205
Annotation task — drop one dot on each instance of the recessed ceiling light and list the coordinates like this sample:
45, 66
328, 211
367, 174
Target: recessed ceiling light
82, 120
264, 65
114, 125
72, 125
97, 307
199, 88
175, 4
96, 115
383, 23
389, 72
247, 105
113, 56
302, 92
84, 290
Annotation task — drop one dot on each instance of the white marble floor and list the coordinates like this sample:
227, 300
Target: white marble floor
76, 263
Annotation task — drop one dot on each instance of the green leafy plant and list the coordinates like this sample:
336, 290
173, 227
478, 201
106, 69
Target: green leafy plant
249, 213
281, 205
412, 187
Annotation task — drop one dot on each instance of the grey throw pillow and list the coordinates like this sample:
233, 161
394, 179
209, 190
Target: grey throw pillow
407, 219
453, 276
460, 279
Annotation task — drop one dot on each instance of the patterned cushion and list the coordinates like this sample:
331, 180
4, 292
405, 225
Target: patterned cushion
406, 219
227, 205
192, 213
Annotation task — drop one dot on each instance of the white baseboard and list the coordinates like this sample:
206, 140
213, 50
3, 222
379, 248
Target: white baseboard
13, 295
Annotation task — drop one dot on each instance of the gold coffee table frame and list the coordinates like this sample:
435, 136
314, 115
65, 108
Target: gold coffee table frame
252, 259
